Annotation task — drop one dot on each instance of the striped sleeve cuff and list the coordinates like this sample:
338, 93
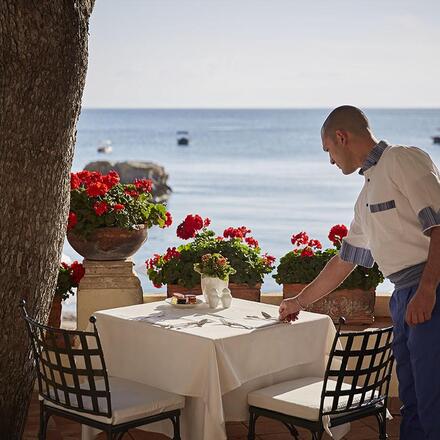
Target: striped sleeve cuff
356, 255
428, 218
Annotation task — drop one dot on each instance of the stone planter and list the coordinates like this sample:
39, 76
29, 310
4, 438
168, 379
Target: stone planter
109, 244
356, 305
106, 285
241, 291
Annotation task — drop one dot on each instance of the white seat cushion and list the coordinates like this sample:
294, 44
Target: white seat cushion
130, 401
299, 398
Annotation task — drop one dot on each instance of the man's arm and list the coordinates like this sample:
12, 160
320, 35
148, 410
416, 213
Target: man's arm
422, 303
333, 274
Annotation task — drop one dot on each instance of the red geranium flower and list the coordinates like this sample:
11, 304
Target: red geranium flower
131, 192
157, 285
72, 220
100, 208
251, 241
307, 252
337, 233
315, 244
169, 219
97, 189
144, 185
206, 222
240, 232
89, 177
268, 260
84, 176
189, 227
75, 181
77, 271
171, 253
153, 262
118, 207
111, 179
299, 239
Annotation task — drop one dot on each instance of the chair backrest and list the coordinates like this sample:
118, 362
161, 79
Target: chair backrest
72, 377
358, 371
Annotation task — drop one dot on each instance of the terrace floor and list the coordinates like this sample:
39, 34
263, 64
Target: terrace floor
63, 429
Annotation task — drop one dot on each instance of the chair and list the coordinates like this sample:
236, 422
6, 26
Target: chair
73, 383
355, 385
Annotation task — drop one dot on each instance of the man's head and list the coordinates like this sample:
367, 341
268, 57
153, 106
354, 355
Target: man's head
347, 137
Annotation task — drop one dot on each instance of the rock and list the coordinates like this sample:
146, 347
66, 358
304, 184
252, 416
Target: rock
129, 171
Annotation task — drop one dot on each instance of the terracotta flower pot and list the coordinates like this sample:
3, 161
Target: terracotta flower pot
55, 312
54, 320
241, 291
106, 244
356, 305
244, 291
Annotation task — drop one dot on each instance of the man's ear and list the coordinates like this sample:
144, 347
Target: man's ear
342, 137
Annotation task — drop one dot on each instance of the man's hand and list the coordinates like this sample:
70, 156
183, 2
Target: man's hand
289, 309
420, 307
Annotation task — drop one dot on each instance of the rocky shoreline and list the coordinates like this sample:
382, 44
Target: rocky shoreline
130, 170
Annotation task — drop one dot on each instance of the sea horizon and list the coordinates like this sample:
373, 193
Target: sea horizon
263, 168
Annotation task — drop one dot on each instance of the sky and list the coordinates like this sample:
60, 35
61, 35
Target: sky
263, 54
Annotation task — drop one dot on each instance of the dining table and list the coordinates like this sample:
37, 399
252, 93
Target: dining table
213, 357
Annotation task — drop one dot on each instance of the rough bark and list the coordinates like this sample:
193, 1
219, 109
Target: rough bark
43, 62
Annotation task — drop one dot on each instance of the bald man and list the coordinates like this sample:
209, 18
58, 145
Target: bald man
396, 219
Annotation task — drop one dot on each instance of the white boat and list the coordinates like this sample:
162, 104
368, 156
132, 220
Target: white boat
105, 147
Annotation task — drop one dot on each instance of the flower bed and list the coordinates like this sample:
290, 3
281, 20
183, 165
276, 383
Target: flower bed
176, 265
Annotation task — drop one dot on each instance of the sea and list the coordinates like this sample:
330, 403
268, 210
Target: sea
264, 169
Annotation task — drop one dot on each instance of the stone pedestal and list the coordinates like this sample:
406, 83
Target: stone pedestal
106, 285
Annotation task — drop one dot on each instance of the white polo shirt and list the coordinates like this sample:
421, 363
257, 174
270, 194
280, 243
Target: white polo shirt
395, 211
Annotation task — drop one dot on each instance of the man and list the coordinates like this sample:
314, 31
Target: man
395, 224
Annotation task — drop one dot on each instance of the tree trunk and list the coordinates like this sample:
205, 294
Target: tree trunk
43, 63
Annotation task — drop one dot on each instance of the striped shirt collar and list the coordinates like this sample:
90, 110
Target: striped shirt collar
373, 156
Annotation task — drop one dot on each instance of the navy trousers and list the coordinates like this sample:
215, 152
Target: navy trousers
417, 353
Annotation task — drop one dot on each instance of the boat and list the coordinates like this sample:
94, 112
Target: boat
436, 139
105, 147
182, 138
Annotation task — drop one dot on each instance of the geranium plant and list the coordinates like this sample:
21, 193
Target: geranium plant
215, 266
98, 201
306, 260
176, 266
69, 277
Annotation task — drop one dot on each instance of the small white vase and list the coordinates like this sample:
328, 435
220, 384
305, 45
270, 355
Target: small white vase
213, 298
226, 297
209, 283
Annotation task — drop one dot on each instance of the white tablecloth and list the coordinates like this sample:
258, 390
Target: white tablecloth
215, 365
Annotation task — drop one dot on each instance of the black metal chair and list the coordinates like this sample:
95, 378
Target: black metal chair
73, 383
355, 385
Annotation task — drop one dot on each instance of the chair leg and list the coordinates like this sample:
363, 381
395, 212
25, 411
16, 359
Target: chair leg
317, 435
176, 426
44, 418
382, 421
292, 430
252, 421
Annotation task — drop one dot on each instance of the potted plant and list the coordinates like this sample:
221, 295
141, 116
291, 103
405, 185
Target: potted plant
214, 270
109, 220
175, 268
69, 277
354, 298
